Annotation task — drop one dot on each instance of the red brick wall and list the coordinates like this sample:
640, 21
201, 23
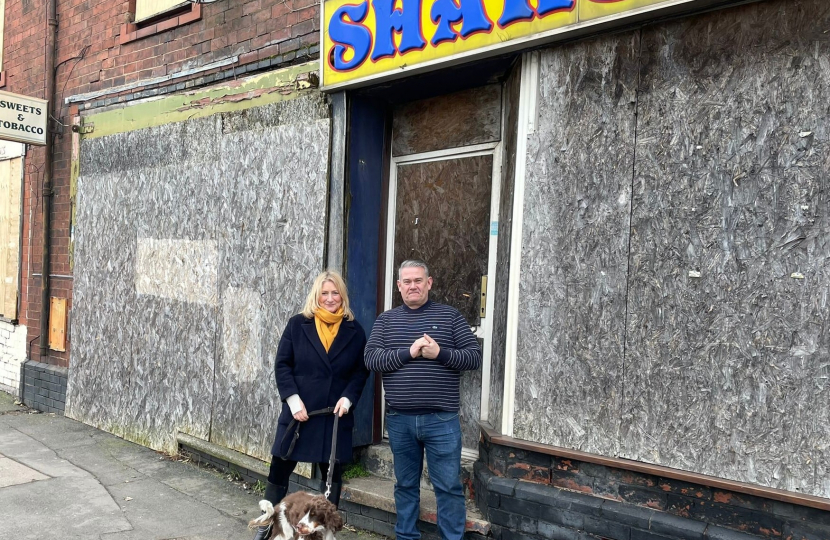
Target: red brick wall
252, 30
23, 65
226, 28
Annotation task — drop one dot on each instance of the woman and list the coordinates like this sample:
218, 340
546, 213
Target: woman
319, 365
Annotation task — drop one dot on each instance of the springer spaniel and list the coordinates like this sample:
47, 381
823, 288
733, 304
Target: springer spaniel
300, 516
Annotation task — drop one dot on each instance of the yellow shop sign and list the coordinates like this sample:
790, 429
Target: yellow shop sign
366, 40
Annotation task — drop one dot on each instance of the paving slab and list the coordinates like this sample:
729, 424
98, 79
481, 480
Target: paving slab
13, 473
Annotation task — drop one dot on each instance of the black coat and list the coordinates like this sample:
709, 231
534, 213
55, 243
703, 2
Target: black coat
303, 367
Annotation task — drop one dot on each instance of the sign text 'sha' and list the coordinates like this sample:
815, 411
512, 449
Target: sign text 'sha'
371, 39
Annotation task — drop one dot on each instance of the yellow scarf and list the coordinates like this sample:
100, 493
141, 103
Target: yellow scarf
327, 324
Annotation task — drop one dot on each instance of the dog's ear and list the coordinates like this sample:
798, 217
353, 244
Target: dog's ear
294, 511
336, 521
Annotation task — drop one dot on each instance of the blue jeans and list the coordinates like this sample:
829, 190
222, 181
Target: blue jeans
440, 435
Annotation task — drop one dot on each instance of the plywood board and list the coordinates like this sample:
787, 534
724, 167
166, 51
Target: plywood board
10, 185
195, 243
727, 337
5, 209
460, 119
575, 246
57, 324
12, 261
442, 217
674, 288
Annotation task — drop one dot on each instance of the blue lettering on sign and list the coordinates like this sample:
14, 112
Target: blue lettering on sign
546, 7
347, 32
389, 20
470, 13
353, 35
515, 11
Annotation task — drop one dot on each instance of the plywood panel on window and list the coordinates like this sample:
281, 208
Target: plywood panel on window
145, 9
10, 174
57, 324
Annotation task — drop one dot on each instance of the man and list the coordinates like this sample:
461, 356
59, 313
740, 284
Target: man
421, 348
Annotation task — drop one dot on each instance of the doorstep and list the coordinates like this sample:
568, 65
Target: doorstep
378, 460
378, 493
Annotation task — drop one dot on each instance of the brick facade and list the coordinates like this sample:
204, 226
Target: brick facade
250, 31
96, 57
12, 355
530, 495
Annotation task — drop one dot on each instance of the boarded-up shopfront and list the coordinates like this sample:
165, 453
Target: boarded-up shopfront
627, 200
658, 249
201, 224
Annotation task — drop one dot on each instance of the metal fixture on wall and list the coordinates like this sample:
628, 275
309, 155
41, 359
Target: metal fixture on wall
50, 53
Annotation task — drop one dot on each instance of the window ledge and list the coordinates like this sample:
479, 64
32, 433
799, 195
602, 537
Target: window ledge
132, 32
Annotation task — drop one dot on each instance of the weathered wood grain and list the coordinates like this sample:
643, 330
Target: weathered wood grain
460, 119
238, 201
575, 246
442, 216
727, 344
715, 359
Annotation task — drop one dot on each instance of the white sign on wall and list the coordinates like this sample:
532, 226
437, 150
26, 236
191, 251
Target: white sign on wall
10, 150
22, 119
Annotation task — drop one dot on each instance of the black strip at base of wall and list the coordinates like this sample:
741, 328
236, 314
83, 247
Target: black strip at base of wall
43, 387
533, 496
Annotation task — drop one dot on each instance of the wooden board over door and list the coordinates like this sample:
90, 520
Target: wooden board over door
442, 215
461, 119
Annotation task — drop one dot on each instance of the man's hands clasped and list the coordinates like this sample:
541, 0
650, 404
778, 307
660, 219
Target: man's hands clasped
426, 347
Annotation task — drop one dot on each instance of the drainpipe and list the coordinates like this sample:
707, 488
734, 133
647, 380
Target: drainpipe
49, 68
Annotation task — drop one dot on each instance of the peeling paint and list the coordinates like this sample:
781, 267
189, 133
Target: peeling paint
238, 95
301, 82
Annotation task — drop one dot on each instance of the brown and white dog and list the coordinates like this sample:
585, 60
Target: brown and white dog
300, 516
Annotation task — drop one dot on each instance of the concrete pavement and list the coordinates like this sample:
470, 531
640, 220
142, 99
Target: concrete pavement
63, 479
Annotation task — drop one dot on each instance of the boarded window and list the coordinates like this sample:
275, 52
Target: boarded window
147, 9
10, 183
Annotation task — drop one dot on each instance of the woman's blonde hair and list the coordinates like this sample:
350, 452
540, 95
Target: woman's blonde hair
311, 304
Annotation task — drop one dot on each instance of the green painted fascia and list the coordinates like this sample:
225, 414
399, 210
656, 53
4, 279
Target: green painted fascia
271, 87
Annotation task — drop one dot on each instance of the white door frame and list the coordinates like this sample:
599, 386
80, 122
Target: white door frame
493, 149
528, 97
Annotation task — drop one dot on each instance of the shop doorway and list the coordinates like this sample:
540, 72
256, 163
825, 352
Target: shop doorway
443, 208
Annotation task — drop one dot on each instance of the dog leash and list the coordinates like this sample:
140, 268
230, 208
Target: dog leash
332, 456
327, 410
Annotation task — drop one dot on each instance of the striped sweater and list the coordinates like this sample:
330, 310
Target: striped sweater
419, 384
